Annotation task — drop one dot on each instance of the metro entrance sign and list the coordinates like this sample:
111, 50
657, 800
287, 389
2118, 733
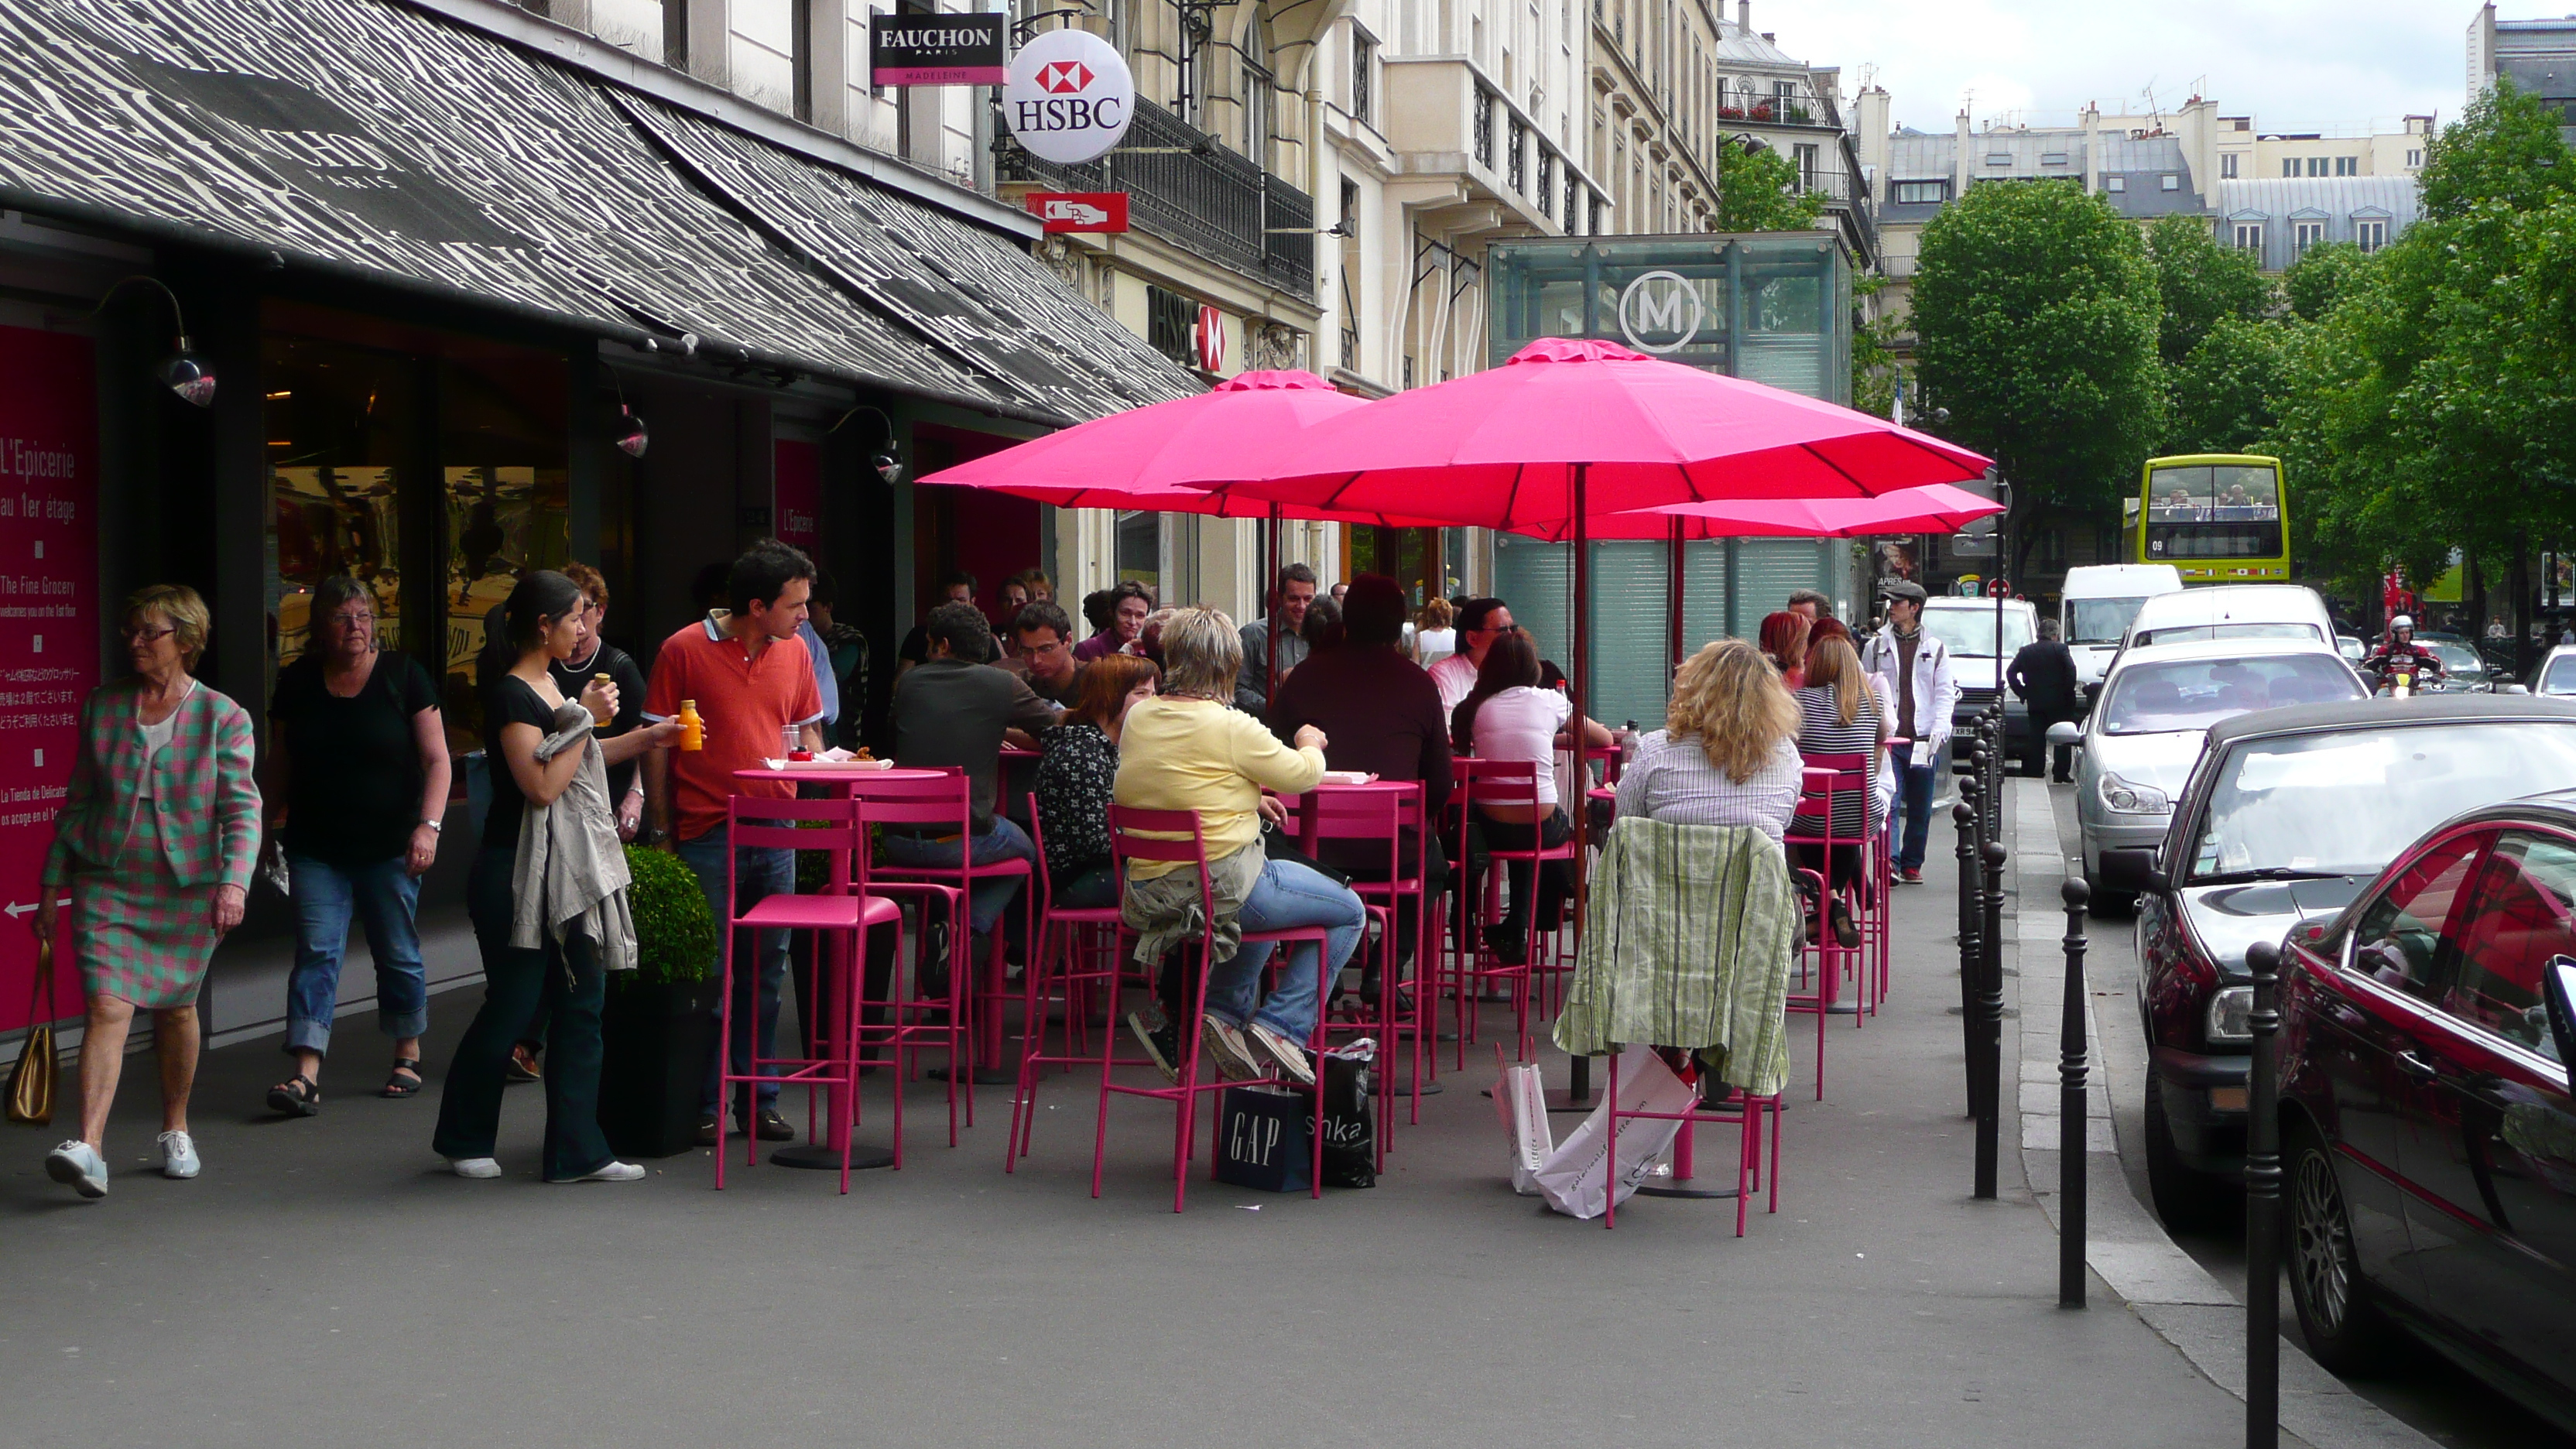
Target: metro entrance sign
1069, 97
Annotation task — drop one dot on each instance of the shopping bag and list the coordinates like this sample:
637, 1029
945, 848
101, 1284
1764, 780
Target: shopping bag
1350, 1126
1520, 1099
1263, 1139
1580, 1177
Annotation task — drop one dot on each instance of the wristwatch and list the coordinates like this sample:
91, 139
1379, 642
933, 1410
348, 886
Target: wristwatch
438, 826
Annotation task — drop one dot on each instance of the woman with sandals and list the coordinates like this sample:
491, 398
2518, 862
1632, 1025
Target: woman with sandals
157, 838
357, 783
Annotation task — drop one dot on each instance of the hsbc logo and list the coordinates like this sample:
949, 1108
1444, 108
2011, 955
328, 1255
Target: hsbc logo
1064, 78
1069, 97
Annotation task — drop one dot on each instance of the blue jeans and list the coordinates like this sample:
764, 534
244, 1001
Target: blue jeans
1289, 895
1005, 841
384, 897
763, 873
1913, 805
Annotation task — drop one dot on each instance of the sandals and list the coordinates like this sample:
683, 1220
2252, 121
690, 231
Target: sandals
297, 1096
396, 1086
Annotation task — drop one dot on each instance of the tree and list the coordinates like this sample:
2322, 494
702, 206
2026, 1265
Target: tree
2037, 312
2221, 398
2318, 278
1758, 189
2199, 282
1873, 351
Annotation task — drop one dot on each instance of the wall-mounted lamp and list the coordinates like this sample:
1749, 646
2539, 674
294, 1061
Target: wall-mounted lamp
889, 461
183, 371
632, 440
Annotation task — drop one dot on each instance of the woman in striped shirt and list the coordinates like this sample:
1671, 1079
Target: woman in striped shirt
1840, 715
1726, 754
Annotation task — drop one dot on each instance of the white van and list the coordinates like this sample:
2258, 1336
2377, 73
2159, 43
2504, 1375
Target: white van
2232, 611
2097, 602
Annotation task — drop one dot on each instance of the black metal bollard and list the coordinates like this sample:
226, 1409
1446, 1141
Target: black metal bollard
2263, 1208
1971, 908
1977, 755
2071, 1071
1990, 1025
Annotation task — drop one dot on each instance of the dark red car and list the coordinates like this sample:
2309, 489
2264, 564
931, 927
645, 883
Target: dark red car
2428, 1137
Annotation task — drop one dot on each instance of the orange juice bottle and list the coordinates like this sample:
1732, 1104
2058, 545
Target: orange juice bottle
693, 730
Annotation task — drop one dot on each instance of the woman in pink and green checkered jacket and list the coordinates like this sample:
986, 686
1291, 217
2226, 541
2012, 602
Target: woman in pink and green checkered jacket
156, 842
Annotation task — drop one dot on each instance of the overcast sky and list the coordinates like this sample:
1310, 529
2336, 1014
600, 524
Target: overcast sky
2295, 65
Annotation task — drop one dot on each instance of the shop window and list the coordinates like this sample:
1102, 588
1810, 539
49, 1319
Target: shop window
340, 422
1140, 549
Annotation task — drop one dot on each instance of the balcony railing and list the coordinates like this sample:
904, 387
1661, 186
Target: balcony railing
1198, 196
1848, 203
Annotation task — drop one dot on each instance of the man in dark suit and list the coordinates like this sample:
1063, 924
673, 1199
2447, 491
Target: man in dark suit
2043, 675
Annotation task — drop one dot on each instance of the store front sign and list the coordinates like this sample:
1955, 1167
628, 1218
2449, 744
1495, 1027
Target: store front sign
1062, 211
935, 50
796, 489
1209, 338
1069, 97
48, 629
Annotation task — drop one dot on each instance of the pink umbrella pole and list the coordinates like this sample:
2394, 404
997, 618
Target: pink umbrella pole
1673, 561
1270, 593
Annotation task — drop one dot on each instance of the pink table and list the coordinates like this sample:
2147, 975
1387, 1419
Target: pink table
826, 1154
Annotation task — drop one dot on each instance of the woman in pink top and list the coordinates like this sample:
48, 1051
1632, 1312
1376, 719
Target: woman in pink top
1507, 716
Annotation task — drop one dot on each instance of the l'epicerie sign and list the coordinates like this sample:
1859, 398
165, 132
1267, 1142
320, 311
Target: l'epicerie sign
1069, 97
48, 629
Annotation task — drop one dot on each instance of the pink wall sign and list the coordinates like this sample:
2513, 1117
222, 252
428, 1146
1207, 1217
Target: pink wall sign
48, 630
796, 504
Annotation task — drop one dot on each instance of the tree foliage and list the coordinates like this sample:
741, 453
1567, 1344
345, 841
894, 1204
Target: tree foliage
2200, 283
2316, 280
2037, 313
1873, 351
2220, 398
1758, 190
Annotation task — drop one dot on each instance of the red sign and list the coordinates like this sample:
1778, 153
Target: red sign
796, 494
1211, 339
1080, 210
48, 630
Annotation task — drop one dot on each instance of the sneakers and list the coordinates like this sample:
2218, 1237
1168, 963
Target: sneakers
609, 1171
1291, 1057
179, 1156
77, 1165
1225, 1046
522, 1066
1162, 1043
1909, 877
476, 1167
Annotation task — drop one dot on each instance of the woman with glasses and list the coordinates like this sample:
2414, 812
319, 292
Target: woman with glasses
155, 844
357, 789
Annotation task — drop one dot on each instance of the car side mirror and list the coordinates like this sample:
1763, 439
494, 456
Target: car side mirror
2558, 991
2132, 870
2065, 732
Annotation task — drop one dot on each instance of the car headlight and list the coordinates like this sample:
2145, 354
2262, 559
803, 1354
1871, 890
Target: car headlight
2231, 1015
2125, 798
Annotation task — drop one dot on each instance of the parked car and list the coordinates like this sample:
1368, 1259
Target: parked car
2096, 603
2142, 737
2463, 667
1966, 627
2285, 819
2232, 611
2556, 672
2429, 1140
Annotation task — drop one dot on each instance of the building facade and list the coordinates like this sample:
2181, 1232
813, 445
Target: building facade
2538, 56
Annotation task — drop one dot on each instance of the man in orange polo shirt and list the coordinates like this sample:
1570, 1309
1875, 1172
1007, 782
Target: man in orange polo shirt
752, 681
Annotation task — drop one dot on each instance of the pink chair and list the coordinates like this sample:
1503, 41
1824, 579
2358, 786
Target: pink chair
1505, 783
840, 921
1175, 836
1746, 1114
1077, 954
949, 802
1380, 814
1822, 784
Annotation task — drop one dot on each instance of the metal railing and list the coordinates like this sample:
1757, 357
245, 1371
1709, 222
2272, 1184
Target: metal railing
1183, 187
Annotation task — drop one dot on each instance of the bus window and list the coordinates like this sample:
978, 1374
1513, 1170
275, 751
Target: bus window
2212, 511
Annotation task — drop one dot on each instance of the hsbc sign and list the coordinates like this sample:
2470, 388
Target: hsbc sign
1069, 97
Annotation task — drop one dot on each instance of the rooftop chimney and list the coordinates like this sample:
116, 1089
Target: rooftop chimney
1744, 16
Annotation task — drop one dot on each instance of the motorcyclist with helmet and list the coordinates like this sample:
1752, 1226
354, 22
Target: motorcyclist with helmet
2399, 649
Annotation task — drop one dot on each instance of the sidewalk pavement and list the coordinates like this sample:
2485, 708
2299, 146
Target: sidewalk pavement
325, 1283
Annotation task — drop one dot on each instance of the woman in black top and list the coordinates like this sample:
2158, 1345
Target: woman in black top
357, 790
544, 615
1078, 775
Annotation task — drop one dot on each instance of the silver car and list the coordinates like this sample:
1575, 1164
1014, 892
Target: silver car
2157, 703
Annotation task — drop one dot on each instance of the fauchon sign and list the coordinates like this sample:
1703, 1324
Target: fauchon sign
935, 50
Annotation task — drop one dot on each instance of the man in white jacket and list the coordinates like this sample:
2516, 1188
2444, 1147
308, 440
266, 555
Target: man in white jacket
1913, 670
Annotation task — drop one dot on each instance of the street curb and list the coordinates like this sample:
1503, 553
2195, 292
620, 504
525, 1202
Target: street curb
2125, 1245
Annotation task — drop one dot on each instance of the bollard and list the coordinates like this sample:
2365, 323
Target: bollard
2263, 1208
1977, 776
1990, 1025
2071, 1070
1964, 816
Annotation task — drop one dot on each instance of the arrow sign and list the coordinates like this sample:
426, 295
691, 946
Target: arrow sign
20, 908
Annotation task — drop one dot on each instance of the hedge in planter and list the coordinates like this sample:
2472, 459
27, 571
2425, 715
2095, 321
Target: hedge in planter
659, 1022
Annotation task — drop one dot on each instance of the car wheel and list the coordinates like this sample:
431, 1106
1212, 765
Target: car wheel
2345, 1331
2188, 1201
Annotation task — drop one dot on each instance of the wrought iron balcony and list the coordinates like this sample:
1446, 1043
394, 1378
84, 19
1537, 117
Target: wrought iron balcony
1185, 188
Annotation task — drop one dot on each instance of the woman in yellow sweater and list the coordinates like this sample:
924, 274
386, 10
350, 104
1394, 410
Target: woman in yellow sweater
1189, 749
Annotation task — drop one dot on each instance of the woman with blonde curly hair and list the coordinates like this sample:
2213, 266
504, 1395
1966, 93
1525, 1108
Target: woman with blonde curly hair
1727, 754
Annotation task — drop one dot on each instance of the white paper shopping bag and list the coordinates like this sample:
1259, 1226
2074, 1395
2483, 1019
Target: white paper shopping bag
1520, 1099
1578, 1178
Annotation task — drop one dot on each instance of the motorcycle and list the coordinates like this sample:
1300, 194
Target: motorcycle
2404, 678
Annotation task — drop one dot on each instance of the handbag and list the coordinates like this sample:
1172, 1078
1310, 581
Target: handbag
31, 1081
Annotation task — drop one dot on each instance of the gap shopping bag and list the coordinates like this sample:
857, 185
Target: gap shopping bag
1263, 1139
1579, 1177
1520, 1099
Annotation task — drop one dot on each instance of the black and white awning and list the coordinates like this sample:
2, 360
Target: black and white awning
377, 142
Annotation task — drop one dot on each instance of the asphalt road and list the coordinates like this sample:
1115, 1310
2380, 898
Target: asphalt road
2424, 1389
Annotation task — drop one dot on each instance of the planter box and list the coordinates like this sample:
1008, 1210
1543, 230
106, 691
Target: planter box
655, 1040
